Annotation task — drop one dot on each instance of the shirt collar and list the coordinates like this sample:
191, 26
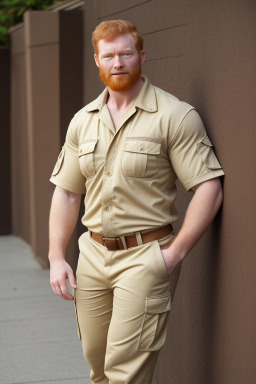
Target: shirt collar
146, 98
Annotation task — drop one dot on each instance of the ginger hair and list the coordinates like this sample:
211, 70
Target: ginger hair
109, 30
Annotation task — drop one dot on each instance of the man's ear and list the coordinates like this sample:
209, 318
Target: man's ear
142, 57
96, 60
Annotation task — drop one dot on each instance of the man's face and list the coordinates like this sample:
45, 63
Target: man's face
119, 62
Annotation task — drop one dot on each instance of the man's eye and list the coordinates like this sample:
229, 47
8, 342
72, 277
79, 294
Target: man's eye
126, 54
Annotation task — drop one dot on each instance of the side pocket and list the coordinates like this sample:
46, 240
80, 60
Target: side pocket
173, 280
154, 327
205, 149
160, 257
77, 322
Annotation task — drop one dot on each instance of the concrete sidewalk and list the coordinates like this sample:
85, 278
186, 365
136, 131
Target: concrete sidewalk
38, 337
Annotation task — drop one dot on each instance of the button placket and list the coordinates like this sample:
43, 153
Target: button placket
107, 191
107, 188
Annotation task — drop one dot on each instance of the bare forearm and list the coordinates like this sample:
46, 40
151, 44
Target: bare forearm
200, 213
63, 218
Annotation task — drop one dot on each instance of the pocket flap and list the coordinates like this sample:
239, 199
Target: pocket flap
142, 146
205, 149
207, 141
159, 304
59, 162
87, 147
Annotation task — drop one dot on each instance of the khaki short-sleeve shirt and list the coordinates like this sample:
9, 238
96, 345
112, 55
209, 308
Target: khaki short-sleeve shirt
128, 175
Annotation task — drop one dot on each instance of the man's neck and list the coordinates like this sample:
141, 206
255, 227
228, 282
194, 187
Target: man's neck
119, 101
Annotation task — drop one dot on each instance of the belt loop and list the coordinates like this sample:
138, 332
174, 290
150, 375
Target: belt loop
123, 242
139, 238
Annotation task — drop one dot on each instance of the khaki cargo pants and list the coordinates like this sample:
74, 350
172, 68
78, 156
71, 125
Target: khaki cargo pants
122, 302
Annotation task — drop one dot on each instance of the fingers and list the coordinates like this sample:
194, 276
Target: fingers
60, 270
60, 289
65, 294
71, 279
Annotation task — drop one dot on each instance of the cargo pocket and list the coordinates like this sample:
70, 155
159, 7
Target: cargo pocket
59, 162
77, 322
205, 149
86, 157
154, 327
140, 157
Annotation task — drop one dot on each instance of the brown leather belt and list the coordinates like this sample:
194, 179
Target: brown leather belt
129, 241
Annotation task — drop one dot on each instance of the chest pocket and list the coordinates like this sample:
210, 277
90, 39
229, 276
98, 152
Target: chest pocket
86, 157
140, 157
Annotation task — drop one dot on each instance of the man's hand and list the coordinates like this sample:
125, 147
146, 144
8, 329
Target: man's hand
61, 271
171, 260
63, 218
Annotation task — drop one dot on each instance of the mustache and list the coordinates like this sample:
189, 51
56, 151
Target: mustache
118, 73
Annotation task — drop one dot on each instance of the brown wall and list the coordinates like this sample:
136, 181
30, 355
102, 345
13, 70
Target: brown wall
204, 53
71, 66
19, 133
5, 140
42, 70
71, 92
46, 92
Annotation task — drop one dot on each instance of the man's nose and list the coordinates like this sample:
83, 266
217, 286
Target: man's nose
118, 62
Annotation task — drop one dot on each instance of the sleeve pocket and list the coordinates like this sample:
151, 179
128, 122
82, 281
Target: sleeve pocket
154, 327
59, 162
205, 149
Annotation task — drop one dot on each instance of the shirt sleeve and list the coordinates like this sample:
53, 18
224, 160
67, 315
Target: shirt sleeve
191, 152
66, 173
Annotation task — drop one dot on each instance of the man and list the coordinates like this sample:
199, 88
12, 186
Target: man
125, 151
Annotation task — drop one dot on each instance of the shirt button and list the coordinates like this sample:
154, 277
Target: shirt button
107, 208
109, 173
140, 148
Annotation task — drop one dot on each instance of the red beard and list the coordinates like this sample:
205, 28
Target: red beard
123, 82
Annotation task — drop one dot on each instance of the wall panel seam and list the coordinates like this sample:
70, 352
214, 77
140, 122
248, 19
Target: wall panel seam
164, 58
165, 29
125, 9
